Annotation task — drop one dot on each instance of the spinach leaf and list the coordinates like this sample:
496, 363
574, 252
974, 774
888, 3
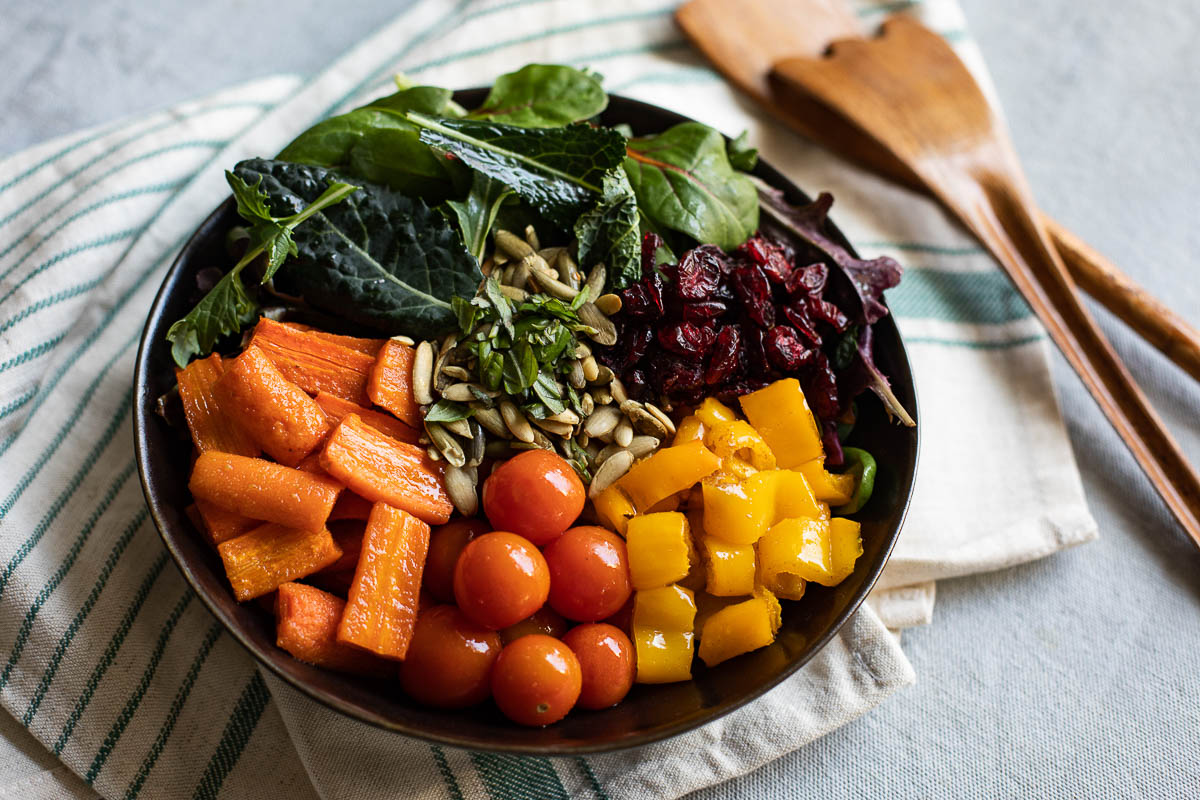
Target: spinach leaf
226, 309
684, 181
559, 171
381, 259
742, 156
375, 143
608, 232
542, 96
477, 213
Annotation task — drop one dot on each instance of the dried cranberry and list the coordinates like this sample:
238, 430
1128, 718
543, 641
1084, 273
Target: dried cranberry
698, 272
632, 346
636, 384
827, 312
725, 355
797, 315
702, 311
644, 298
808, 280
752, 345
687, 339
785, 350
679, 375
650, 244
769, 255
730, 392
754, 291
820, 387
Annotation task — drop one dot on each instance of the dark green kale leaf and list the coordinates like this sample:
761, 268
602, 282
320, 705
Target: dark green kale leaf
608, 232
684, 182
381, 259
477, 213
542, 96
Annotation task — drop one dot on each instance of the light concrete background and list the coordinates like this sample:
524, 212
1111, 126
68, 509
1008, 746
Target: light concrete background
1072, 677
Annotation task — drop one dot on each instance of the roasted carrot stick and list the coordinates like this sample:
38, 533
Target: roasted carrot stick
312, 463
368, 346
384, 598
390, 383
338, 409
211, 429
306, 626
313, 362
264, 490
258, 562
220, 524
276, 413
384, 470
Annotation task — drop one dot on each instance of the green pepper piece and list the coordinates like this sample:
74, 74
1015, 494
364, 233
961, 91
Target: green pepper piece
862, 465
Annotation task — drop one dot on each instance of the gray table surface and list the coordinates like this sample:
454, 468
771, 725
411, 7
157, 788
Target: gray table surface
1071, 677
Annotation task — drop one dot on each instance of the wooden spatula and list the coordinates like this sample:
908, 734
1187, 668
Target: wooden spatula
744, 40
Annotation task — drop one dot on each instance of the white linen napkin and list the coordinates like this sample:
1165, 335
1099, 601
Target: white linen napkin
111, 663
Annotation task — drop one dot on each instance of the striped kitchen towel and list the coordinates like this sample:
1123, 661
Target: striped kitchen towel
114, 667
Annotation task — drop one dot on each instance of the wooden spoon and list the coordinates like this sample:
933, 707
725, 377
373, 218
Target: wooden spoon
745, 40
910, 92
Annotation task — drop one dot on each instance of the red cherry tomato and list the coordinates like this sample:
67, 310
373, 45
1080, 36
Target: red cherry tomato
606, 661
535, 494
500, 579
545, 621
449, 661
536, 680
445, 545
589, 573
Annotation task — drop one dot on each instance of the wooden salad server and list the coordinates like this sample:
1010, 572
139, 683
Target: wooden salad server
731, 36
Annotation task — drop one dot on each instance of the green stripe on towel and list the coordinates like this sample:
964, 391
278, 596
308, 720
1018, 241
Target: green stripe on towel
242, 722
512, 777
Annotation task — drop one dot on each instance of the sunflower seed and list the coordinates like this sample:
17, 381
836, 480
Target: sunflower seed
606, 331
456, 372
449, 447
516, 421
531, 238
595, 281
406, 340
491, 420
607, 452
461, 488
618, 390
459, 427
582, 350
466, 392
582, 439
548, 254
433, 453
520, 275
623, 433
591, 368
555, 288
586, 404
577, 378
608, 304
542, 440
476, 446
567, 270
610, 472
602, 421
605, 376
601, 396
423, 374
557, 428
662, 417
566, 415
642, 446
512, 245
513, 293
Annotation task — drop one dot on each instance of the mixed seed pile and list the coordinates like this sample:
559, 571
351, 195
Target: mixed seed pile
517, 375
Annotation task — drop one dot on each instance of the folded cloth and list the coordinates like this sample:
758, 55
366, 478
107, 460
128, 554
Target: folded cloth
111, 663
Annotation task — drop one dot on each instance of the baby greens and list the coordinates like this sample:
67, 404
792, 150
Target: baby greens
543, 96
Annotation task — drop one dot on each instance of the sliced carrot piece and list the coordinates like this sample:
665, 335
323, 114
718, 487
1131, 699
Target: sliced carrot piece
264, 490
338, 409
306, 626
312, 463
368, 346
390, 383
260, 561
351, 506
384, 598
220, 524
276, 413
314, 363
384, 470
211, 429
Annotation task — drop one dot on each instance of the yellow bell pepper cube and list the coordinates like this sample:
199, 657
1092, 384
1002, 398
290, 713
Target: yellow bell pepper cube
667, 608
658, 549
689, 429
781, 415
792, 495
736, 441
614, 508
712, 412
827, 486
670, 470
845, 546
729, 569
663, 656
738, 511
739, 628
795, 551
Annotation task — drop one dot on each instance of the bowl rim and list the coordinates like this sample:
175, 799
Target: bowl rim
264, 658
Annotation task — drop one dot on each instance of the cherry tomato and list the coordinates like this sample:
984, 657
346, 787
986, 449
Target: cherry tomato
606, 661
449, 661
445, 545
535, 494
545, 620
536, 680
500, 579
589, 573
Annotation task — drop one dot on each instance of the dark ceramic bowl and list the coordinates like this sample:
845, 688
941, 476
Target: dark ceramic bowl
649, 713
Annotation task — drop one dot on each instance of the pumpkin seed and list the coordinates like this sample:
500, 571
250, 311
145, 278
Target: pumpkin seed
513, 293
642, 446
582, 439
602, 421
605, 376
512, 245
456, 372
608, 304
446, 444
466, 392
586, 404
461, 488
606, 331
601, 395
423, 374
499, 258
591, 368
516, 421
520, 275
618, 390
608, 473
556, 288
623, 433
542, 440
531, 237
549, 254
491, 420
595, 281
643, 420
567, 270
662, 417
577, 377
582, 350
